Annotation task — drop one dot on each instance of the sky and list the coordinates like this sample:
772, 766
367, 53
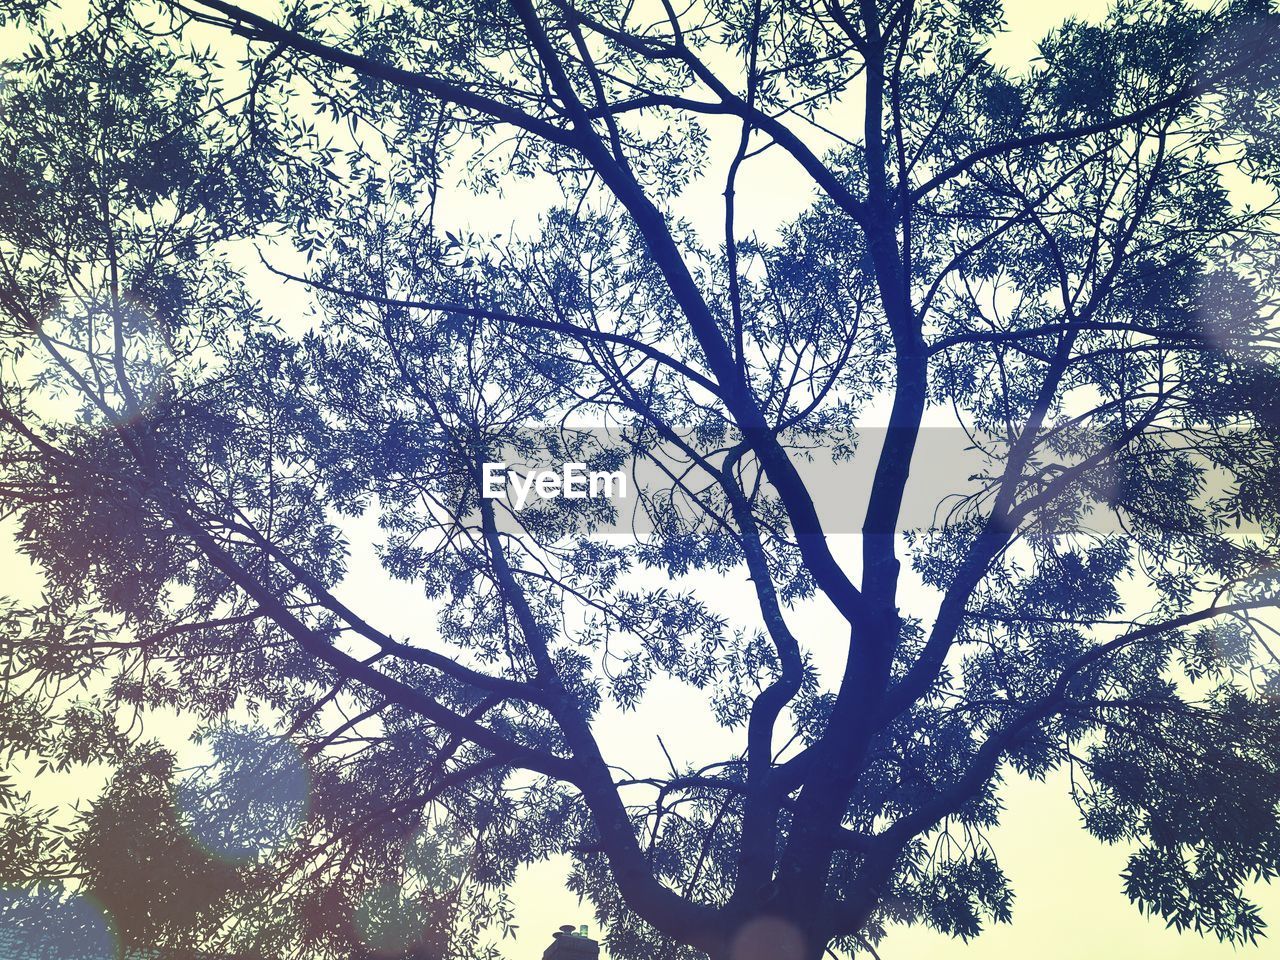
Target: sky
1069, 903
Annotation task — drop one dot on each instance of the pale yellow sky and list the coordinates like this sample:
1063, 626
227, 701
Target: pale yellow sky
1069, 902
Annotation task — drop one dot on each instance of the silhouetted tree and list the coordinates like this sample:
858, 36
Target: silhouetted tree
1074, 265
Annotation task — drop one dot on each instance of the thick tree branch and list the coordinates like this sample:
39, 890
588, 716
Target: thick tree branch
255, 27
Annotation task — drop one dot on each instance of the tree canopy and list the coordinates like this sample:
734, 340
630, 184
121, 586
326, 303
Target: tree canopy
245, 346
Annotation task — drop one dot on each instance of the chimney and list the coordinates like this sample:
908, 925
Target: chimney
569, 945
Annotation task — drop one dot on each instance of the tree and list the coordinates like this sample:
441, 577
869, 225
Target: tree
1058, 263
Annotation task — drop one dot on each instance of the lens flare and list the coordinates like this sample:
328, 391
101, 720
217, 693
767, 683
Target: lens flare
49, 924
768, 938
251, 800
389, 924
